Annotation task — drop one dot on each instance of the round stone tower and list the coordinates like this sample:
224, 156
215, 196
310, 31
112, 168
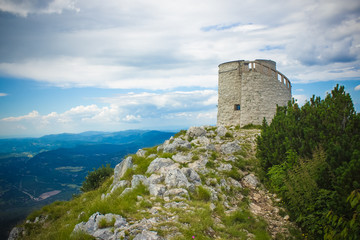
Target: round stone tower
249, 92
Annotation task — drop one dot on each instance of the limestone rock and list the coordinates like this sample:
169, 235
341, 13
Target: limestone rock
92, 225
224, 167
157, 189
148, 235
199, 165
221, 131
141, 153
155, 178
121, 169
177, 143
176, 178
231, 147
234, 182
126, 191
159, 163
180, 158
119, 184
191, 175
195, 132
176, 192
137, 179
16, 233
201, 140
251, 180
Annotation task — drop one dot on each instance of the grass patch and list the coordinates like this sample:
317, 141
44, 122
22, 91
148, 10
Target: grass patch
210, 164
104, 223
196, 223
228, 135
166, 155
195, 157
202, 194
234, 173
214, 155
251, 126
243, 219
179, 134
152, 150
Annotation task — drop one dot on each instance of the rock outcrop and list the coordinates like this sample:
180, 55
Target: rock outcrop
189, 175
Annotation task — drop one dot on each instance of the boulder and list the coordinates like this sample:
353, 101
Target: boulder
251, 180
234, 183
191, 175
155, 178
16, 233
194, 132
176, 178
148, 235
159, 163
199, 166
137, 179
177, 143
121, 169
176, 192
231, 147
221, 131
119, 184
141, 153
92, 225
210, 147
126, 191
224, 167
157, 189
180, 158
201, 140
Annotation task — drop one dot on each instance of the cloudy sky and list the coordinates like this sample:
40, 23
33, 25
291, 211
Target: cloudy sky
79, 65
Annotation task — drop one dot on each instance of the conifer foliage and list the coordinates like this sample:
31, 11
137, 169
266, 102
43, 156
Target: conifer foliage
312, 159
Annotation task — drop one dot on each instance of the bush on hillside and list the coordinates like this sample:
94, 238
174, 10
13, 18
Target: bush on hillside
312, 158
95, 178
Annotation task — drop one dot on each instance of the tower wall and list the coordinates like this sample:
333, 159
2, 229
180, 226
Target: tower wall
249, 91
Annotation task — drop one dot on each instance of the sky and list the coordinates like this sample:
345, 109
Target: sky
111, 65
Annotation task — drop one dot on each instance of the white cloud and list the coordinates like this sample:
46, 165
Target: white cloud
3, 94
300, 99
132, 110
357, 88
25, 7
165, 45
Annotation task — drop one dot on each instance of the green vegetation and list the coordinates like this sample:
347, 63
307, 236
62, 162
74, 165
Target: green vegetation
103, 223
251, 126
95, 178
202, 194
312, 159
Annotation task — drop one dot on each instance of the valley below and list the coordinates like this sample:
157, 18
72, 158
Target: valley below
32, 177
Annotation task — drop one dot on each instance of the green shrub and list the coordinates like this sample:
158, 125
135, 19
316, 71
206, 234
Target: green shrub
234, 173
195, 157
202, 194
95, 178
251, 126
210, 164
80, 235
228, 135
103, 223
179, 134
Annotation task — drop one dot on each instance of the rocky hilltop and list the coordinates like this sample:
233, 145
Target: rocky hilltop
199, 184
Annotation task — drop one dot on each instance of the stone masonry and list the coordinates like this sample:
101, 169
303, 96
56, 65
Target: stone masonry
249, 92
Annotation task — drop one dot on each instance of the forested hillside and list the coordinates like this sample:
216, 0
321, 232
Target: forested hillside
311, 156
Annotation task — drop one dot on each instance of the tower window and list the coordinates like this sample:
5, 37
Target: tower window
237, 107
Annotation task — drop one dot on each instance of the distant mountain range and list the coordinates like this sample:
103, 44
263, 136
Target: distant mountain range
37, 171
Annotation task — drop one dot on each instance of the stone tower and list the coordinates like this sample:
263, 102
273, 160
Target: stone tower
249, 91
